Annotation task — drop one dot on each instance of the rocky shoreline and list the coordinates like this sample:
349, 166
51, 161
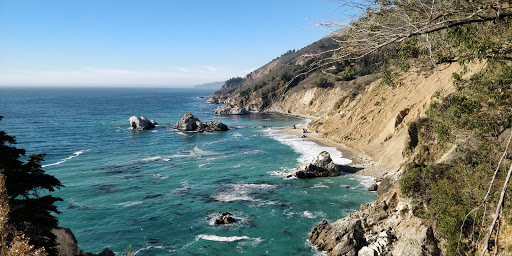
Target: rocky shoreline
362, 163
385, 227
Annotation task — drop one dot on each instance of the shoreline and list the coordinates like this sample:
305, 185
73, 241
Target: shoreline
359, 159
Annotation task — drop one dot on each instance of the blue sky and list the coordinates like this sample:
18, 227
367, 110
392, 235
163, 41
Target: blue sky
149, 43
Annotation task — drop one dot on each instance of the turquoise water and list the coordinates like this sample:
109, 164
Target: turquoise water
160, 190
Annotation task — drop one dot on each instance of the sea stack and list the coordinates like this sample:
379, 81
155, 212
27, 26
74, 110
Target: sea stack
323, 166
142, 123
191, 123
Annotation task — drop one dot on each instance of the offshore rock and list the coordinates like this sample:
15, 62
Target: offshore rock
224, 110
188, 123
141, 123
224, 218
191, 123
212, 126
323, 166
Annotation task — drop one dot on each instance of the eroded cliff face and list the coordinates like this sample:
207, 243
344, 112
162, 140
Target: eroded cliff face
376, 120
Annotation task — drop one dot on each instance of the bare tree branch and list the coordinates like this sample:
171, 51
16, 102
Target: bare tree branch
376, 24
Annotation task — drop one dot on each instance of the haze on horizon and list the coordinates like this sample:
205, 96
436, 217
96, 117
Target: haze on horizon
157, 43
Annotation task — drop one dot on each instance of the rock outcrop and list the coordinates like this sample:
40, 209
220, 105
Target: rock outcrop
191, 123
373, 187
385, 227
323, 166
224, 110
68, 245
343, 237
225, 218
142, 123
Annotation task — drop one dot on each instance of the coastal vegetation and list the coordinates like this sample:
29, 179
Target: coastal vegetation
26, 206
460, 196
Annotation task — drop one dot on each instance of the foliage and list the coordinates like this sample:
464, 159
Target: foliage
26, 184
286, 77
323, 83
474, 117
128, 251
406, 50
289, 52
388, 78
233, 82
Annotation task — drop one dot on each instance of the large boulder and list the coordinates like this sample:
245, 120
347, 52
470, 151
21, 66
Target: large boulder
224, 110
212, 126
191, 123
142, 123
343, 237
323, 166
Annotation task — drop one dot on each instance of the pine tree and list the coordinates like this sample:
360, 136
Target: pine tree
27, 193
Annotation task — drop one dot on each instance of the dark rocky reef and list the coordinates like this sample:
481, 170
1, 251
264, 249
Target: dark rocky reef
225, 218
323, 166
191, 123
142, 123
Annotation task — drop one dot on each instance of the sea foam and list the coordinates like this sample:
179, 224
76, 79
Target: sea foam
75, 154
225, 238
156, 159
244, 192
307, 149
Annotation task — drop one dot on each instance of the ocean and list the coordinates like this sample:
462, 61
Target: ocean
160, 190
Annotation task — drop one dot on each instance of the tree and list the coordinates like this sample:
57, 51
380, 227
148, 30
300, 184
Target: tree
27, 186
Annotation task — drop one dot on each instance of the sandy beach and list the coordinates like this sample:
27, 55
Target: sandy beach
359, 159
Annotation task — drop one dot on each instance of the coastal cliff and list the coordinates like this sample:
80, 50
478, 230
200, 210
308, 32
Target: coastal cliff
389, 117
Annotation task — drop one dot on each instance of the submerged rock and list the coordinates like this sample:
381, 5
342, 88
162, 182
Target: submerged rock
191, 123
224, 110
224, 218
323, 166
142, 123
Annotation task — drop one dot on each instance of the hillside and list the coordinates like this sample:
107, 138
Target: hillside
214, 85
435, 133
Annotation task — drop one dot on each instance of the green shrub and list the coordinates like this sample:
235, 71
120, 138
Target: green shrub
445, 193
323, 83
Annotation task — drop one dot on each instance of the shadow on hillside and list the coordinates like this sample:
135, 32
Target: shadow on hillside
350, 169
